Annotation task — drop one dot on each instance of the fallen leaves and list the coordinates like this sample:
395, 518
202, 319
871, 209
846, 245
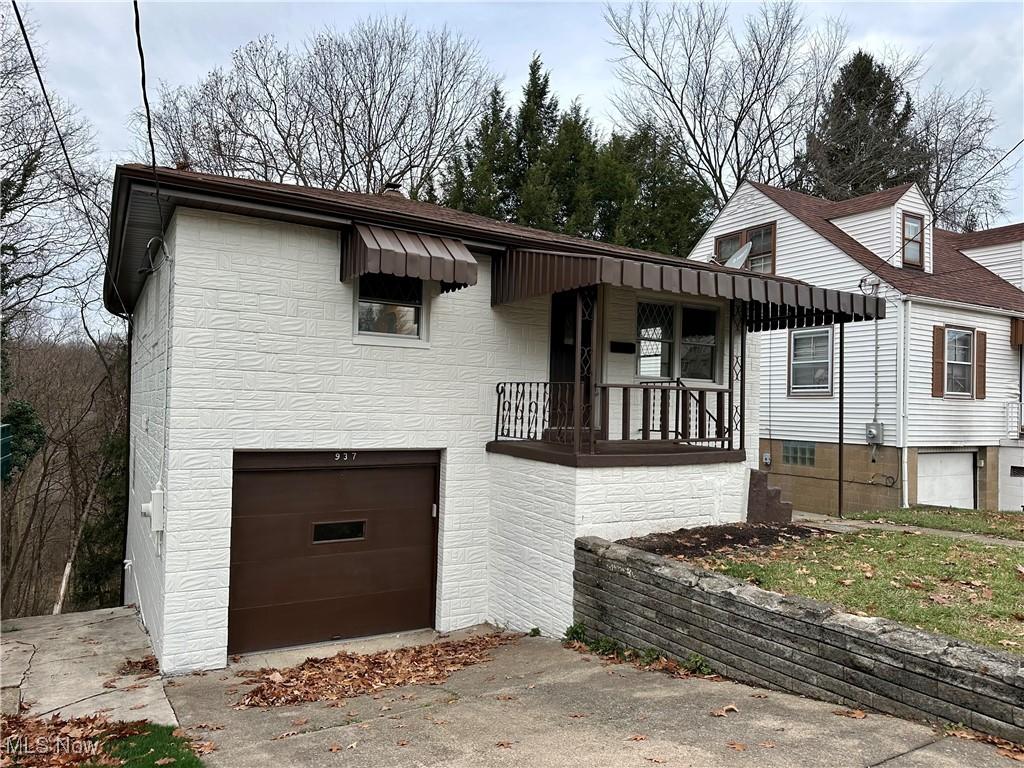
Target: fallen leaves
854, 714
147, 666
347, 674
58, 743
637, 737
503, 745
1004, 748
723, 711
737, 746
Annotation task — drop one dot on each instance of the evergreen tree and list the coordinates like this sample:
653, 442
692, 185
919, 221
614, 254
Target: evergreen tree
864, 141
572, 165
478, 181
645, 198
532, 197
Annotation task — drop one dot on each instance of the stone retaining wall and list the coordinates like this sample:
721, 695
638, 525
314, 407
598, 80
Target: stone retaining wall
792, 643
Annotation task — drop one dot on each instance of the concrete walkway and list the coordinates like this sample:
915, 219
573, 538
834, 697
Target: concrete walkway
834, 524
68, 665
538, 704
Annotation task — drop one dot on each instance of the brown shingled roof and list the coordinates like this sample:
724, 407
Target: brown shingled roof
955, 277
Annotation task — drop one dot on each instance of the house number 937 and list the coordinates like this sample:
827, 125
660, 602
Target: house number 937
346, 456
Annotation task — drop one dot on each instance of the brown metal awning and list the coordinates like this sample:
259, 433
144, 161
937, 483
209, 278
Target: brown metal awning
770, 302
408, 254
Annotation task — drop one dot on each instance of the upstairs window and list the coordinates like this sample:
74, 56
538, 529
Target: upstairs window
810, 362
762, 247
390, 306
913, 240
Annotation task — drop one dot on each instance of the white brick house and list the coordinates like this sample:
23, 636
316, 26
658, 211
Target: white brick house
368, 414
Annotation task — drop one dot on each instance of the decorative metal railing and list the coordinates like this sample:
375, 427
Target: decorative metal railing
649, 411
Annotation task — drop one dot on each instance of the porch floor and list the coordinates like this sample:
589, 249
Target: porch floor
617, 453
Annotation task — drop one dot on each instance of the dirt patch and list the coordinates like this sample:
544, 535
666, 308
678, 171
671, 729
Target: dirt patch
697, 542
350, 674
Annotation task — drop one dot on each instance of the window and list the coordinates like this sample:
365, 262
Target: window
913, 240
666, 337
390, 306
697, 343
959, 361
798, 452
655, 324
762, 247
349, 530
810, 362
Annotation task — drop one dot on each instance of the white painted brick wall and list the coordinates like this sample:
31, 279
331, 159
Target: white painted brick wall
144, 579
538, 510
264, 358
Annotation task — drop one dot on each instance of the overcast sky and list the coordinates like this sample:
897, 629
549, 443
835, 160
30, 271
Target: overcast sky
91, 57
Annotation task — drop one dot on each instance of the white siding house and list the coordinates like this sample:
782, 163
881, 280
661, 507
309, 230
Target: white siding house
368, 414
970, 282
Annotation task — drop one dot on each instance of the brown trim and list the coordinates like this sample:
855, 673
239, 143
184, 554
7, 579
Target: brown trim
1017, 331
904, 239
371, 248
980, 363
743, 236
790, 392
974, 362
938, 360
670, 455
256, 460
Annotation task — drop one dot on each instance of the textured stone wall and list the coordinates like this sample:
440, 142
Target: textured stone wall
794, 644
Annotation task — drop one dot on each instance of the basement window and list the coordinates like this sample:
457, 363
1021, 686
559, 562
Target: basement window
798, 452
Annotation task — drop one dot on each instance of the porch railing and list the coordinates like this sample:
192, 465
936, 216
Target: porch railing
651, 411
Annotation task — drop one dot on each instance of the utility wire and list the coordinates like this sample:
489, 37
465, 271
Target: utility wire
937, 216
63, 145
149, 133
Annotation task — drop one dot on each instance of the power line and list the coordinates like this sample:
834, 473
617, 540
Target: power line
63, 145
149, 130
937, 216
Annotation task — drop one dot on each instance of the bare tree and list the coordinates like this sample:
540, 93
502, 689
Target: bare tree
379, 104
958, 132
736, 105
44, 222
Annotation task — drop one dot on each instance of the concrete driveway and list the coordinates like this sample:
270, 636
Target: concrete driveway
70, 665
538, 704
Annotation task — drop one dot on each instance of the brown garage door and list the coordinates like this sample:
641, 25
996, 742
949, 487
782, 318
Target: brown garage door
330, 545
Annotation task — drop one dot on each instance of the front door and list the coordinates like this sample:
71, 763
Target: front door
573, 316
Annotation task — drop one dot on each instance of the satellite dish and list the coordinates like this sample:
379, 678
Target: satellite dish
738, 259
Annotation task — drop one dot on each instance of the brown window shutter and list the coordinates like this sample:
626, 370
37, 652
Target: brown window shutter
1017, 331
980, 349
938, 361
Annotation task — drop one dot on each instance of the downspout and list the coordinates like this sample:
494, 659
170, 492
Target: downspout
127, 475
904, 351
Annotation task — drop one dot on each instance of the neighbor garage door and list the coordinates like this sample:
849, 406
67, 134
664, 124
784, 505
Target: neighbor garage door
946, 479
330, 545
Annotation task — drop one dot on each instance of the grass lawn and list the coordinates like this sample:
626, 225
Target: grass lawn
937, 584
1005, 524
158, 743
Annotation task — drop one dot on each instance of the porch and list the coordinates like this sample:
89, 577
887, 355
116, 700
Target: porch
648, 361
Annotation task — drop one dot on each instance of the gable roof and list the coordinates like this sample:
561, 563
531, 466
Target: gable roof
954, 276
144, 198
1011, 233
